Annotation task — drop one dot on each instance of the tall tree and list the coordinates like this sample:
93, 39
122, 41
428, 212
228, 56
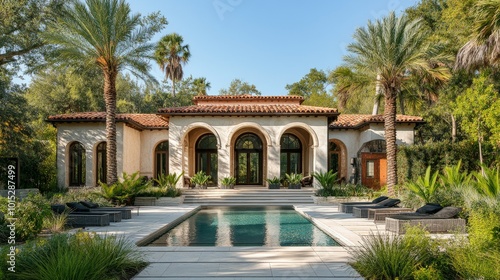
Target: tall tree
484, 48
21, 23
201, 85
238, 87
171, 54
313, 87
393, 49
105, 34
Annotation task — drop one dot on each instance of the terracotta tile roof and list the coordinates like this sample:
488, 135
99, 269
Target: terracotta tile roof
356, 121
250, 109
247, 97
138, 121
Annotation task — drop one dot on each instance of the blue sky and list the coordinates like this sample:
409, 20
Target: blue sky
268, 43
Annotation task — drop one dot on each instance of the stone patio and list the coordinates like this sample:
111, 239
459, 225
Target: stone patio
246, 262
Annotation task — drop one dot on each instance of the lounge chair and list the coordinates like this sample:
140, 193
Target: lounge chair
82, 219
379, 215
126, 211
361, 211
346, 207
77, 207
443, 221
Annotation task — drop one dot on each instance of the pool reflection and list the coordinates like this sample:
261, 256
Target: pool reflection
245, 226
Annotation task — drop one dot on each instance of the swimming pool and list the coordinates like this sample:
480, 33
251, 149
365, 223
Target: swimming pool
245, 226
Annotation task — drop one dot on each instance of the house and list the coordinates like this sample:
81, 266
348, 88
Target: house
251, 138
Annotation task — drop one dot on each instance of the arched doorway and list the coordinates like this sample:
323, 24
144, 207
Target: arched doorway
290, 155
206, 156
248, 159
77, 166
161, 159
101, 164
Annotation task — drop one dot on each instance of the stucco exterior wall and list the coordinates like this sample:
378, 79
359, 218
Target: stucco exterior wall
131, 147
149, 140
227, 129
89, 135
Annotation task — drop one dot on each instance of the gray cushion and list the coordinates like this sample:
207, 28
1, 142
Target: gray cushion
390, 202
429, 208
89, 204
447, 213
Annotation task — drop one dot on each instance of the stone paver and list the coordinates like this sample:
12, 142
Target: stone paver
245, 262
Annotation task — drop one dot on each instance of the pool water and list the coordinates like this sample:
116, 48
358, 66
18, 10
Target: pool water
245, 226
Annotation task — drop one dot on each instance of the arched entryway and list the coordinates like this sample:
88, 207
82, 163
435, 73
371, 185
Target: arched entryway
101, 164
161, 159
248, 151
77, 165
206, 156
337, 159
290, 155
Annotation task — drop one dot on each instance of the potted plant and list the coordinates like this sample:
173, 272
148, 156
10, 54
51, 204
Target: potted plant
274, 183
293, 180
164, 193
228, 182
200, 179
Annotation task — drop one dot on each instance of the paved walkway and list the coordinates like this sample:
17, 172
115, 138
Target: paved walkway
246, 262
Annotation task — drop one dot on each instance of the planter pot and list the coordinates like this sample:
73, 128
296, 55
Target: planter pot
339, 199
162, 201
227, 187
274, 186
295, 186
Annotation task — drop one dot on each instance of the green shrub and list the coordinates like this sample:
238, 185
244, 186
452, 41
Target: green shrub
326, 180
30, 213
80, 194
55, 223
473, 263
414, 159
488, 183
124, 191
345, 190
424, 186
400, 257
79, 256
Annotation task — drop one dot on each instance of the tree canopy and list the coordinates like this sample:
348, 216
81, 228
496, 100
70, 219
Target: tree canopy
238, 87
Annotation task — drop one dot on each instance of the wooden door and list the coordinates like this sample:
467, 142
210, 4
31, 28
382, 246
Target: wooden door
373, 170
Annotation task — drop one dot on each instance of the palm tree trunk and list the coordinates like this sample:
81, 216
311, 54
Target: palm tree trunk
377, 96
390, 138
173, 87
110, 99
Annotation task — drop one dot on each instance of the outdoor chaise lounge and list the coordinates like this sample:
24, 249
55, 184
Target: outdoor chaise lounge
346, 207
82, 219
379, 215
444, 221
77, 207
361, 211
126, 211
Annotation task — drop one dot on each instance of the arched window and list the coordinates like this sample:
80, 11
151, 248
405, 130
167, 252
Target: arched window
334, 153
161, 157
77, 165
248, 159
101, 163
206, 156
291, 155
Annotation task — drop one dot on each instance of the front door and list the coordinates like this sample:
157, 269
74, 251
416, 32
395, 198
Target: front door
373, 170
248, 160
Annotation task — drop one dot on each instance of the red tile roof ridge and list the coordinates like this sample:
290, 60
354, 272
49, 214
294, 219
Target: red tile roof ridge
358, 120
138, 120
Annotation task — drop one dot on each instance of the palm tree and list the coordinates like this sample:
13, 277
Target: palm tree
170, 54
391, 50
201, 85
104, 34
484, 48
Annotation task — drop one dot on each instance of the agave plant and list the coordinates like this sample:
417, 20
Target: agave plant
425, 186
168, 181
452, 176
326, 179
488, 183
